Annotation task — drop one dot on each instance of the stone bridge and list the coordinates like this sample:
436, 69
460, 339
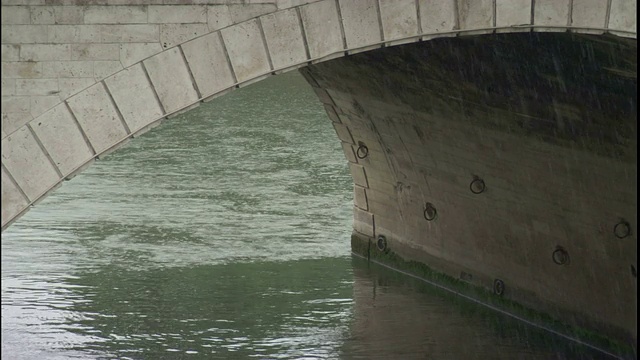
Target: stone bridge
492, 140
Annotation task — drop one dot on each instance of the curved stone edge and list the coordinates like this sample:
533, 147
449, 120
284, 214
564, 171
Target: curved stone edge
63, 141
50, 51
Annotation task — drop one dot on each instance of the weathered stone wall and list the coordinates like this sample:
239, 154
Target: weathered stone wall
53, 49
548, 122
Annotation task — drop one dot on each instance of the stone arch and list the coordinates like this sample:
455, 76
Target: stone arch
57, 145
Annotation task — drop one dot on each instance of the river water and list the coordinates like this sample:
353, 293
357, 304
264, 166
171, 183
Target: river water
224, 234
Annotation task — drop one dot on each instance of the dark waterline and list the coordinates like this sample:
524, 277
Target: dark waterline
225, 234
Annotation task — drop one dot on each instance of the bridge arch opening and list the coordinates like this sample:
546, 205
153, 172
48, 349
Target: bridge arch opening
61, 142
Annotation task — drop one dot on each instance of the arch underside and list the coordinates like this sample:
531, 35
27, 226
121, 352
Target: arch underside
39, 155
544, 113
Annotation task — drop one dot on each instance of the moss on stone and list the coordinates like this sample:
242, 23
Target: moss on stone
366, 248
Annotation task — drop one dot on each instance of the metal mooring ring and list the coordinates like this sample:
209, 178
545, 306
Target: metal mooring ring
622, 229
498, 287
477, 185
430, 212
560, 256
381, 244
362, 152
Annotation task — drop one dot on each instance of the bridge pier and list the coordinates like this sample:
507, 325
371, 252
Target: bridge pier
506, 163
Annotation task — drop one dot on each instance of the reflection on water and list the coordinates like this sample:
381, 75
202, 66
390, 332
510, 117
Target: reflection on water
225, 234
396, 316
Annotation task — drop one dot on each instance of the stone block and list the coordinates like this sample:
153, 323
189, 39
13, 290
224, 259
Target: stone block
332, 113
284, 38
218, 17
12, 15
358, 174
399, 18
360, 197
133, 33
131, 53
246, 50
349, 153
363, 222
8, 87
98, 117
95, 52
552, 12
13, 104
115, 15
623, 15
71, 86
175, 34
437, 16
322, 28
64, 34
30, 167
24, 34
67, 69
360, 20
70, 15
21, 70
389, 199
104, 33
12, 121
45, 52
376, 173
208, 63
513, 13
61, 137
134, 97
475, 14
36, 86
102, 69
40, 104
343, 133
589, 13
10, 52
243, 12
13, 201
181, 14
42, 15
171, 79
